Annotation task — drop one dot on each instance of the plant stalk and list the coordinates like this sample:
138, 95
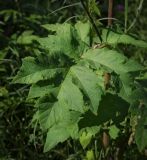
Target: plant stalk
107, 76
126, 15
137, 15
91, 20
110, 12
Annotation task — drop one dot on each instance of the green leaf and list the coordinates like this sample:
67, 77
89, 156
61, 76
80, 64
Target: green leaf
26, 38
54, 136
51, 114
143, 77
37, 90
112, 60
87, 134
83, 30
88, 82
113, 132
3, 92
114, 38
126, 86
71, 94
139, 95
90, 155
64, 41
32, 71
141, 131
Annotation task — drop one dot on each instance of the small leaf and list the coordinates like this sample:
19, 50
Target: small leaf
87, 134
113, 131
90, 155
26, 38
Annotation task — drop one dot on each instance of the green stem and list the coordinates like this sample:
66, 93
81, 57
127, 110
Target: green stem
91, 20
137, 15
126, 15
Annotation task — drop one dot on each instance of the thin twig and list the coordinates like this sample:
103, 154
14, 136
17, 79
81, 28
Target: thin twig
71, 18
64, 7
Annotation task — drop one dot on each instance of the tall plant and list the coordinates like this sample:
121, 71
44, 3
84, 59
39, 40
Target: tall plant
67, 78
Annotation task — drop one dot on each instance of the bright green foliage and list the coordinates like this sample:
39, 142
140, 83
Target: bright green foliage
88, 82
113, 38
113, 132
54, 136
68, 84
66, 40
112, 60
32, 71
74, 101
90, 155
37, 90
26, 38
87, 134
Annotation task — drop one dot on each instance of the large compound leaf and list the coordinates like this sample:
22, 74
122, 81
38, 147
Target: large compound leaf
32, 71
114, 38
89, 83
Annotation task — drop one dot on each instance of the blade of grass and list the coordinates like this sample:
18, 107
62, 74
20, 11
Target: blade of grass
137, 15
126, 15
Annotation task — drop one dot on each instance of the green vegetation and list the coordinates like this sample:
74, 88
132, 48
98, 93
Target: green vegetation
71, 86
